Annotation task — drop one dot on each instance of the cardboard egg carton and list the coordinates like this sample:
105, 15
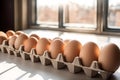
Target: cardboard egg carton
12, 51
29, 55
74, 67
58, 63
4, 46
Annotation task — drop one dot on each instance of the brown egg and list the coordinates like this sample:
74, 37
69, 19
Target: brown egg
11, 40
30, 43
71, 50
89, 53
42, 45
35, 35
10, 33
3, 37
56, 47
110, 57
19, 32
20, 40
3, 34
66, 41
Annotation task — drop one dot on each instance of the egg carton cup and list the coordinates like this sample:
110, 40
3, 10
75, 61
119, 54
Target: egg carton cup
75, 66
4, 46
10, 50
16, 52
29, 55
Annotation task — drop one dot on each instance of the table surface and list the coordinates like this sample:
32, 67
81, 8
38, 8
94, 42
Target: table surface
15, 68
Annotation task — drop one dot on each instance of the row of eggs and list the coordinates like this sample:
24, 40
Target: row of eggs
108, 56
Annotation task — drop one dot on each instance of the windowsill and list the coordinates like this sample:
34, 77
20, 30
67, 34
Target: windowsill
83, 38
80, 26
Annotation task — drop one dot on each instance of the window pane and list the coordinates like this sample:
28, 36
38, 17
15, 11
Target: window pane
114, 14
81, 13
47, 12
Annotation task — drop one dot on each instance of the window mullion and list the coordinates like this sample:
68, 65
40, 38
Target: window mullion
60, 16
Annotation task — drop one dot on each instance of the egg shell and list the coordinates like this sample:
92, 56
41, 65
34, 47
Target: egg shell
3, 37
110, 57
72, 50
10, 33
42, 45
66, 41
56, 47
29, 44
20, 40
3, 34
19, 32
89, 53
12, 39
35, 35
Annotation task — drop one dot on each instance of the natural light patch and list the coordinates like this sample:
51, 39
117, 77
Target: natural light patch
50, 79
4, 66
12, 74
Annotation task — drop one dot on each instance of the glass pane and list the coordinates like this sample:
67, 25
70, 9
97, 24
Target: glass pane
47, 12
81, 13
114, 14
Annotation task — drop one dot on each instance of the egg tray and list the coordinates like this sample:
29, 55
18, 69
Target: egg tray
58, 63
4, 46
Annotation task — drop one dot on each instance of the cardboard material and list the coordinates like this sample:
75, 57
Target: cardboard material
34, 57
4, 46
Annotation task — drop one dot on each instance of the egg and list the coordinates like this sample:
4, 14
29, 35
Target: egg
19, 32
11, 40
66, 41
3, 34
109, 57
56, 47
71, 50
20, 40
10, 33
89, 53
42, 45
3, 37
29, 44
35, 35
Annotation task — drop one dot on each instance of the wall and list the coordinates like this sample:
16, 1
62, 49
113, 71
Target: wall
6, 15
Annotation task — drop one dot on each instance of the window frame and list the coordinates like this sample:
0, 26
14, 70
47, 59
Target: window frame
105, 20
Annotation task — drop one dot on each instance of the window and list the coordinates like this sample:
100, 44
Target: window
90, 16
81, 13
76, 13
114, 14
47, 12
